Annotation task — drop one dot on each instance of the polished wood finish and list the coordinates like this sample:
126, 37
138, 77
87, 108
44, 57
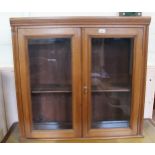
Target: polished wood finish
137, 34
25, 82
80, 29
43, 21
17, 80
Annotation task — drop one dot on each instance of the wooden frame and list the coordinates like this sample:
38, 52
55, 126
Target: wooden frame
25, 83
136, 27
136, 86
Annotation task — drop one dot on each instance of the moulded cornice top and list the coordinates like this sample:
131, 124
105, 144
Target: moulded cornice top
113, 20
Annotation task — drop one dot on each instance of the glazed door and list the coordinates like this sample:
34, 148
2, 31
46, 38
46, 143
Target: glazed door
112, 70
51, 81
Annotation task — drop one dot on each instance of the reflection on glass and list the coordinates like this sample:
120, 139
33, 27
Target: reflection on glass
50, 79
111, 82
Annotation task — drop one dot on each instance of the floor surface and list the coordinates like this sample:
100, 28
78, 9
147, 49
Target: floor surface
153, 117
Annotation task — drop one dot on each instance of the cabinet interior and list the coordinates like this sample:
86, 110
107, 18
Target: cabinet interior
51, 90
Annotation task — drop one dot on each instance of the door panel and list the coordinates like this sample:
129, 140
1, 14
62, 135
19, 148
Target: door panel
111, 74
50, 78
111, 57
51, 98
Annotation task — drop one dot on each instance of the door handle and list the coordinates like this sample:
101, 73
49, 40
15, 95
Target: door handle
85, 89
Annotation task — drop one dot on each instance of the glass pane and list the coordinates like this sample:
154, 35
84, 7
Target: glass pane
50, 79
111, 77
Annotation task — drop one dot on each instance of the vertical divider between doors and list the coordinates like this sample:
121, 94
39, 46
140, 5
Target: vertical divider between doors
81, 30
84, 83
79, 64
76, 74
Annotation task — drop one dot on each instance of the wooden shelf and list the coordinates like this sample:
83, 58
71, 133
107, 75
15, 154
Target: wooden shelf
111, 90
43, 88
50, 91
69, 91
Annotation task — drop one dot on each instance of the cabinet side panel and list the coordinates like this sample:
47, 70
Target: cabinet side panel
17, 80
143, 78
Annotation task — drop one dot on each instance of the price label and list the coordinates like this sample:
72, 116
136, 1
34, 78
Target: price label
101, 30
